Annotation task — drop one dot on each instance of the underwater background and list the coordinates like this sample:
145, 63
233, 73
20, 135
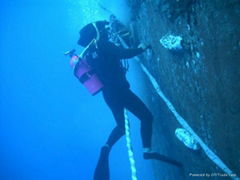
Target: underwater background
52, 128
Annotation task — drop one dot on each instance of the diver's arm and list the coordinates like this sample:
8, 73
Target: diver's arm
128, 53
120, 53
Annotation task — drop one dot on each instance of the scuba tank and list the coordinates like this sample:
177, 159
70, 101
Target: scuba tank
84, 72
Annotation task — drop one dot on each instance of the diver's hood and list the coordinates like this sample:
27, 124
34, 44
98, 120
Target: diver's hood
91, 31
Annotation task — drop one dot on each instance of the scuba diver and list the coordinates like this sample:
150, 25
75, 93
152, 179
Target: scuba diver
116, 91
105, 59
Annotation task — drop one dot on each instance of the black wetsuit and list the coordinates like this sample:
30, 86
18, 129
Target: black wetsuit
117, 93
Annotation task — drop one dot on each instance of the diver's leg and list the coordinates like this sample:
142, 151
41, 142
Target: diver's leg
114, 102
102, 168
115, 135
139, 109
119, 130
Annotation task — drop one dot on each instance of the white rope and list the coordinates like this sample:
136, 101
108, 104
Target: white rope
129, 147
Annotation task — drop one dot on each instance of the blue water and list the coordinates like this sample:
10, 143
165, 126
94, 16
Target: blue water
50, 126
